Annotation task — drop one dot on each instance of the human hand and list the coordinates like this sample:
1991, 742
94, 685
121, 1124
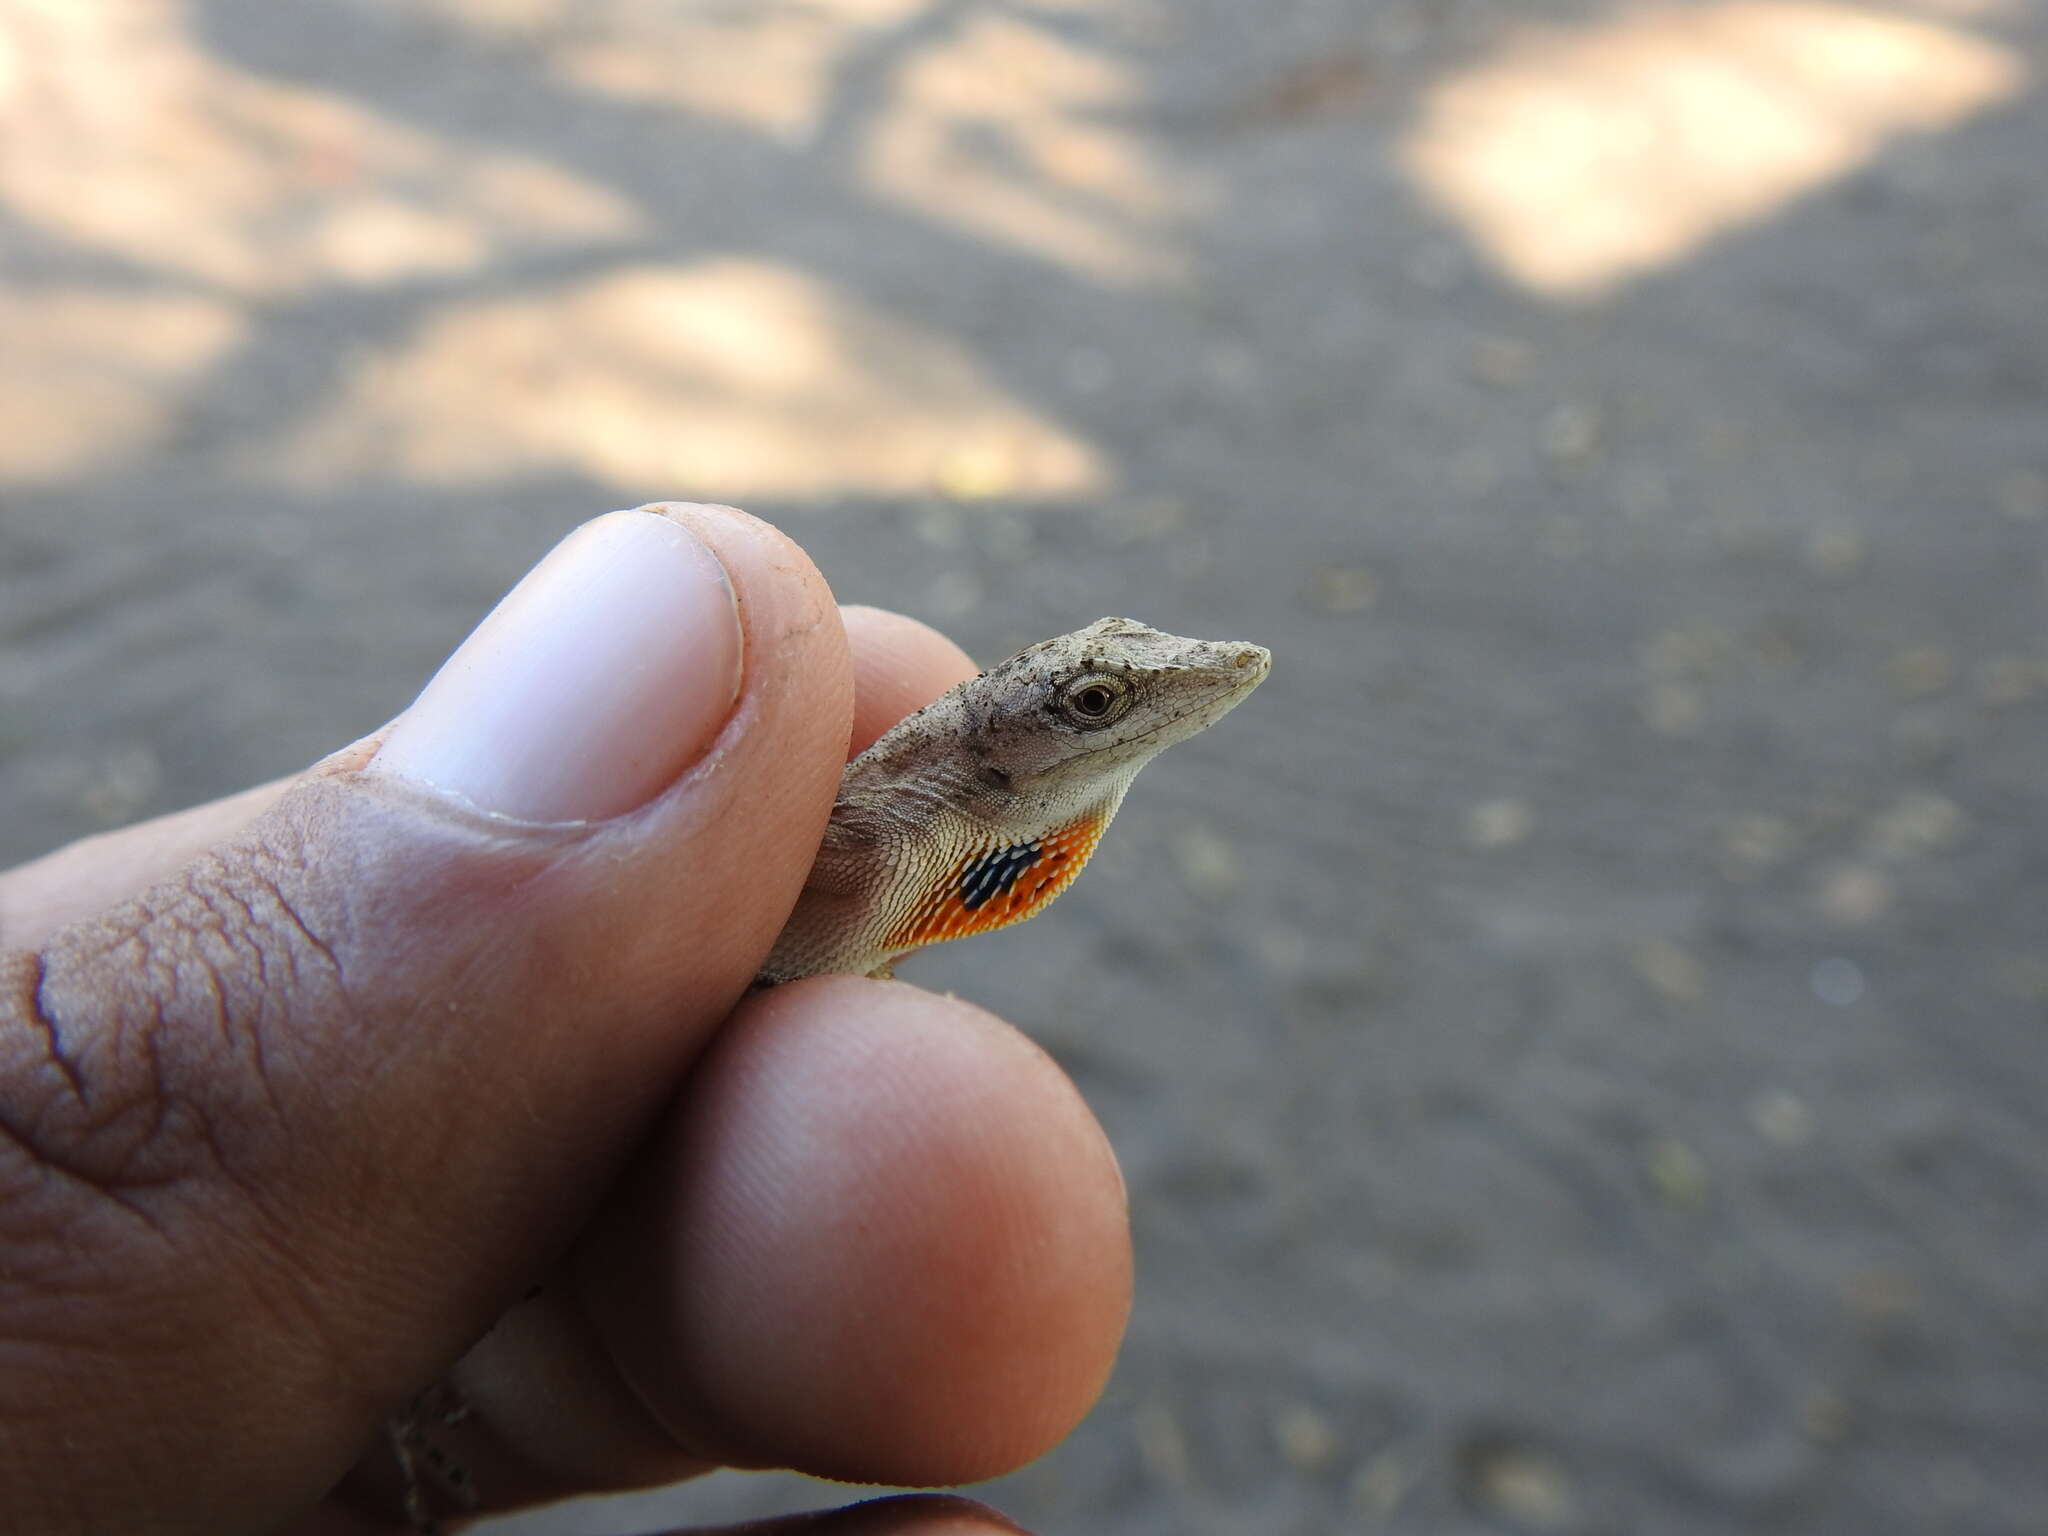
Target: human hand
303, 1091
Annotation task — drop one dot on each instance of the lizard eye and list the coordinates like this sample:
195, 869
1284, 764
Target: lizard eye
1089, 703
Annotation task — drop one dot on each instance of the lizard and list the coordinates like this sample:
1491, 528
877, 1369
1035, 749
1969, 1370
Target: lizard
968, 815
976, 811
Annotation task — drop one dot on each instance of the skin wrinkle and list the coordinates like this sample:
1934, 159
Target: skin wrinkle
41, 1159
35, 1012
200, 959
211, 897
39, 1017
259, 881
159, 1092
205, 973
215, 1146
150, 1027
195, 941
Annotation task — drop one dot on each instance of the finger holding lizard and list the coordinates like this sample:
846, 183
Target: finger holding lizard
288, 1129
879, 1238
903, 1296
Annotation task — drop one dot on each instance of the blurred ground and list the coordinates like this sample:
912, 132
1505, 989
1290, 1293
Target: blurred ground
1576, 1038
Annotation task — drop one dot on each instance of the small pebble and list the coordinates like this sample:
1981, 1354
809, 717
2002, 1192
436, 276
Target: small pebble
1208, 865
2006, 681
1163, 1445
1307, 1440
1835, 552
1343, 588
1915, 824
1673, 973
1677, 1173
1781, 1118
1498, 823
1380, 1486
1854, 895
1516, 1483
1674, 709
1923, 670
1837, 981
1756, 842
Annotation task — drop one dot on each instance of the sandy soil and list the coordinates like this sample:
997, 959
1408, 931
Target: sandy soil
1575, 1038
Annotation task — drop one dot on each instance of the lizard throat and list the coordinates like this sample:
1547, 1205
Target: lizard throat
996, 885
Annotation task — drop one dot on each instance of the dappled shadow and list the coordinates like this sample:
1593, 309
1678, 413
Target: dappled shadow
367, 212
738, 379
1573, 1038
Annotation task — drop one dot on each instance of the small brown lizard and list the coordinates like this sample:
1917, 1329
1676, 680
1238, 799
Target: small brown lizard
977, 810
967, 816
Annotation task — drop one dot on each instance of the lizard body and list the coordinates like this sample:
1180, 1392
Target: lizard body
980, 808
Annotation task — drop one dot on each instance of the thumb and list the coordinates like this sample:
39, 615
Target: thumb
279, 1137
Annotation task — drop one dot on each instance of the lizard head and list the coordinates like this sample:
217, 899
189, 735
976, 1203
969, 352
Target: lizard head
1095, 705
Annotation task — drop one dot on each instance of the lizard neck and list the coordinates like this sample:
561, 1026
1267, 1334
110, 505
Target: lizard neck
1008, 815
975, 874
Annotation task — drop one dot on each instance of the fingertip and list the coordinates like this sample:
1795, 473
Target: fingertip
900, 664
892, 1244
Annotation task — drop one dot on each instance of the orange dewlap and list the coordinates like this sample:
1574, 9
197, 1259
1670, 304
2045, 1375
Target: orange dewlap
995, 887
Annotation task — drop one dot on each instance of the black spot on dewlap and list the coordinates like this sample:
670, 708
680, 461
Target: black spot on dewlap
995, 872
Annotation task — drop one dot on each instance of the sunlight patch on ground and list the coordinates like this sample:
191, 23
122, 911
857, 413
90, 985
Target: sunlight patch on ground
1012, 133
118, 133
992, 124
768, 65
90, 377
730, 379
1579, 159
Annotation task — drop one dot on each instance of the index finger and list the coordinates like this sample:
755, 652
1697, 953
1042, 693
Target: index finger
899, 665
